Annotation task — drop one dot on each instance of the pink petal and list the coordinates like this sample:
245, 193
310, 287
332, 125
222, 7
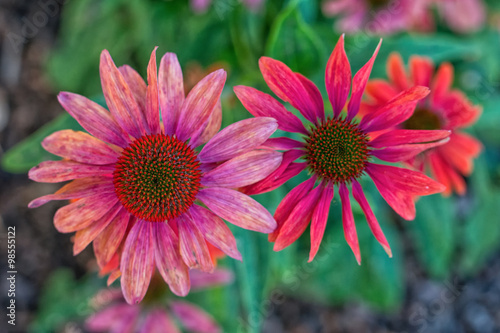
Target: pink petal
243, 170
137, 263
397, 110
238, 209
108, 318
136, 85
396, 71
315, 96
119, 98
350, 233
298, 220
80, 147
158, 321
215, 231
278, 177
82, 213
199, 104
359, 84
94, 118
282, 143
405, 152
107, 242
440, 171
209, 129
60, 171
201, 280
400, 137
171, 91
338, 77
288, 204
192, 244
261, 104
358, 194
77, 189
319, 219
193, 318
380, 91
287, 86
237, 139
85, 236
168, 259
152, 102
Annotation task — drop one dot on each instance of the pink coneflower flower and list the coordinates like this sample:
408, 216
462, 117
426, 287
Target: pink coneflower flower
140, 180
444, 109
374, 16
337, 150
157, 311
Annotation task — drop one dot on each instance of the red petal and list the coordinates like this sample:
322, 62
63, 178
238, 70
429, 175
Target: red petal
338, 77
152, 98
350, 233
396, 71
319, 219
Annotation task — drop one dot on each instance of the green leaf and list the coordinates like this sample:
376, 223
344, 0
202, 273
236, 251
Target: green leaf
294, 42
434, 233
29, 152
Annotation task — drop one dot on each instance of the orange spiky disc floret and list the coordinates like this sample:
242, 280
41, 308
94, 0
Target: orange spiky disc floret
157, 177
337, 151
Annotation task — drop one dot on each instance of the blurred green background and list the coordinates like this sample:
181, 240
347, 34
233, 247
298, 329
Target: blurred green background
451, 238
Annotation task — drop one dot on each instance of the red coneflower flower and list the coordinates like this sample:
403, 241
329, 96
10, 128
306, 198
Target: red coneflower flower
114, 315
444, 108
139, 180
337, 150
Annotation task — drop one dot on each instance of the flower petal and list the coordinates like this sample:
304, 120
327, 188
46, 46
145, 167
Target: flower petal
199, 104
215, 231
85, 236
243, 170
401, 136
282, 143
168, 259
298, 220
60, 171
77, 189
358, 194
288, 204
109, 318
193, 318
422, 70
397, 110
108, 241
137, 263
314, 95
319, 219
94, 118
171, 91
136, 85
152, 100
83, 212
442, 81
209, 129
396, 71
192, 245
405, 152
238, 209
380, 91
350, 233
119, 98
359, 84
338, 77
80, 147
287, 86
201, 280
261, 104
237, 138
157, 321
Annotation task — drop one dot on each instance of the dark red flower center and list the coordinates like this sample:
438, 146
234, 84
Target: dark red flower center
423, 119
337, 151
157, 177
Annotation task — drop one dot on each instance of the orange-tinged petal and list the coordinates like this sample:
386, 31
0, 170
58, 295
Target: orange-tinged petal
108, 241
152, 98
192, 245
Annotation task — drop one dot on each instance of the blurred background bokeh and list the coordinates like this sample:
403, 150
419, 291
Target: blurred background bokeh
445, 272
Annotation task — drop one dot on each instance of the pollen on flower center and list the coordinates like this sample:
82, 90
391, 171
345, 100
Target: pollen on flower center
157, 177
423, 119
337, 151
